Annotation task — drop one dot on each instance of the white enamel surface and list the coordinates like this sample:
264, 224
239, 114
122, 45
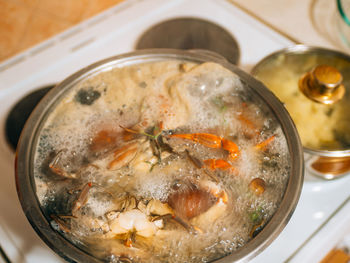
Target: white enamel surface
116, 31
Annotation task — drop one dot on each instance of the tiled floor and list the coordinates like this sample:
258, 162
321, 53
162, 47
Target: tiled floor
24, 23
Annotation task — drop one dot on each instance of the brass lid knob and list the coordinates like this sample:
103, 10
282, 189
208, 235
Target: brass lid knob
323, 84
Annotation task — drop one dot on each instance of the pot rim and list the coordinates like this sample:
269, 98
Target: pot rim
302, 49
24, 156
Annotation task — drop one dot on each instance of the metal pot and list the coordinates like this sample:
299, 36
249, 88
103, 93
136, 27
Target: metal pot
314, 84
25, 153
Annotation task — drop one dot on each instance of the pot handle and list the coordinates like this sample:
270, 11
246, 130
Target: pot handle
328, 168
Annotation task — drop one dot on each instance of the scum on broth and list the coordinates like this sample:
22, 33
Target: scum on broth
133, 164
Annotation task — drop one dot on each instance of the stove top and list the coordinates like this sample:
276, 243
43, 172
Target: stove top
191, 33
119, 30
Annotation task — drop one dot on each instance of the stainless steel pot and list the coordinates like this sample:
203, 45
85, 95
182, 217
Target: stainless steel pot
29, 138
312, 80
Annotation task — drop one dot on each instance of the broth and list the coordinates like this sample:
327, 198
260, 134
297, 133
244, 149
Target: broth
168, 161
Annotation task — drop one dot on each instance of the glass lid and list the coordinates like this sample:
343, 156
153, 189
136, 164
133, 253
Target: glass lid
314, 84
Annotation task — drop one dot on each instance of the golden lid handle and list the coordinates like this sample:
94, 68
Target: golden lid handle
323, 84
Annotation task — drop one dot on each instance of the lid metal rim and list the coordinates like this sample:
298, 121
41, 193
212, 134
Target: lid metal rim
299, 48
327, 153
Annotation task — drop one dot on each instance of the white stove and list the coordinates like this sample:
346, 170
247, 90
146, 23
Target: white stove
322, 216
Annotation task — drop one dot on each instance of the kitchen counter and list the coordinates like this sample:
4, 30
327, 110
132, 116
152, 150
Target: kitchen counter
24, 23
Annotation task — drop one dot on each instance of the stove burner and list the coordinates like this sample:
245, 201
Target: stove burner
191, 33
20, 113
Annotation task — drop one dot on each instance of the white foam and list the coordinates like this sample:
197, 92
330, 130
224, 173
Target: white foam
206, 99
